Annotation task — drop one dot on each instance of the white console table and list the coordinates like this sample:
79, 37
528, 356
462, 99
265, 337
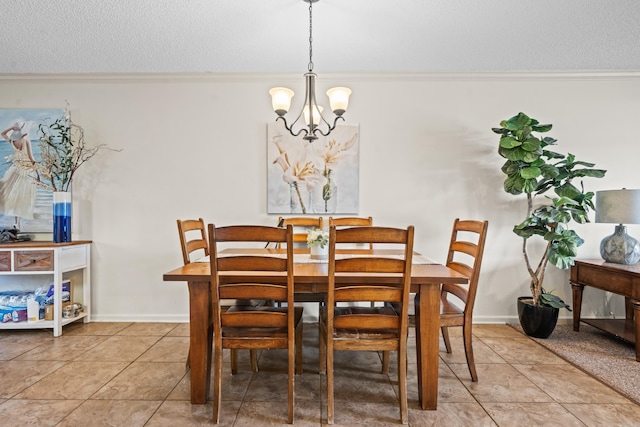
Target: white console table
53, 259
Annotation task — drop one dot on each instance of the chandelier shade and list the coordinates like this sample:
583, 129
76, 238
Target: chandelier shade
281, 99
338, 100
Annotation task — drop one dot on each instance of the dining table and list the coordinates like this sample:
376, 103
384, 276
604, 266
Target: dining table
311, 276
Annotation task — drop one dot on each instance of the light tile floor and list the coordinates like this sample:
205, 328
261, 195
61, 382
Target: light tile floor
133, 374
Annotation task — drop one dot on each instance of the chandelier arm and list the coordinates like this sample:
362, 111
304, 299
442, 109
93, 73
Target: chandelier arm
331, 127
322, 119
290, 128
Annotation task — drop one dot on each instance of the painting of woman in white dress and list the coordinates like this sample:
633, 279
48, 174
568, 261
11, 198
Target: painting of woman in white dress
17, 188
23, 204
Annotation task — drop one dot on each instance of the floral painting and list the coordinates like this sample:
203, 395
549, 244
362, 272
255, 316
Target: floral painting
23, 203
313, 178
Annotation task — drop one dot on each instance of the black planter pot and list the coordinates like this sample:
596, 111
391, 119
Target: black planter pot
536, 321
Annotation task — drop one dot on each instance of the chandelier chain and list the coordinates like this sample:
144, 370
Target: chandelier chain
310, 36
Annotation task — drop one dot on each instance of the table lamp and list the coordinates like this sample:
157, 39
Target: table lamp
619, 207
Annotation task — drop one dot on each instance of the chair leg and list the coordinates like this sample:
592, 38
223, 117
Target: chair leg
217, 381
402, 383
385, 362
445, 337
322, 347
330, 403
253, 355
299, 349
234, 361
291, 374
468, 350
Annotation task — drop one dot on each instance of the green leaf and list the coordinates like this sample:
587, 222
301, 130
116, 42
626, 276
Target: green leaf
529, 185
593, 173
549, 171
530, 173
513, 154
568, 190
531, 144
552, 155
529, 156
550, 300
541, 128
509, 142
501, 131
510, 168
516, 122
513, 184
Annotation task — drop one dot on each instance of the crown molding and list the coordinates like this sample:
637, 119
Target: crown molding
274, 77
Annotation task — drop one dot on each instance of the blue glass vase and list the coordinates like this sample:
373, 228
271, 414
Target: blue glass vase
61, 216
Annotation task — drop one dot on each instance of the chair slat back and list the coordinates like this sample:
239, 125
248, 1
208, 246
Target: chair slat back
342, 288
193, 238
352, 222
301, 226
466, 250
273, 275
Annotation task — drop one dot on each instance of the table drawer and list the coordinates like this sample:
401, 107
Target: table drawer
5, 261
33, 260
73, 257
617, 282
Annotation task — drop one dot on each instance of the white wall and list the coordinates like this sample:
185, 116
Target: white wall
195, 145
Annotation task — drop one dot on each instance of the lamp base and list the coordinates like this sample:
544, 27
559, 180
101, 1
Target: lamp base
620, 248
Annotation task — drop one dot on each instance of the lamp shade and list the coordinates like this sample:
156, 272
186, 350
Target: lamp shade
339, 99
618, 206
317, 111
281, 99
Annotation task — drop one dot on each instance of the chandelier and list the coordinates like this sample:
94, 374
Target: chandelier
311, 111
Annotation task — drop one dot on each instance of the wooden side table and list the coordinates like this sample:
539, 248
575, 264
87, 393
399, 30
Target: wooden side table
621, 279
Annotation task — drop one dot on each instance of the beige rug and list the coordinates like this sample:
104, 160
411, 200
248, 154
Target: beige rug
608, 359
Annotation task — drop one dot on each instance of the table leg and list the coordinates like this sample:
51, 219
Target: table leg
427, 306
201, 336
576, 290
628, 308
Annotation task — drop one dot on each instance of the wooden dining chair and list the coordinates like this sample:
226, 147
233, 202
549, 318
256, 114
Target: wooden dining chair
194, 244
301, 227
352, 222
357, 328
465, 256
259, 276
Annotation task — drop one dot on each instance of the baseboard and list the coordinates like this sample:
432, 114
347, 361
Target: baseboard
152, 318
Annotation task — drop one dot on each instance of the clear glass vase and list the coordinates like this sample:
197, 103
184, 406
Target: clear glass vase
324, 198
61, 216
299, 198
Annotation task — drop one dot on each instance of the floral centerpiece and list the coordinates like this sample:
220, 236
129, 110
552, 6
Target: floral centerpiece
318, 243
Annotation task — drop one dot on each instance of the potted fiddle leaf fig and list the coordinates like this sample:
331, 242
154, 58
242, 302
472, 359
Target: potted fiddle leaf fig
531, 168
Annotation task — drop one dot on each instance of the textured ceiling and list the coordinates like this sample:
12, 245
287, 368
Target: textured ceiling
244, 36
